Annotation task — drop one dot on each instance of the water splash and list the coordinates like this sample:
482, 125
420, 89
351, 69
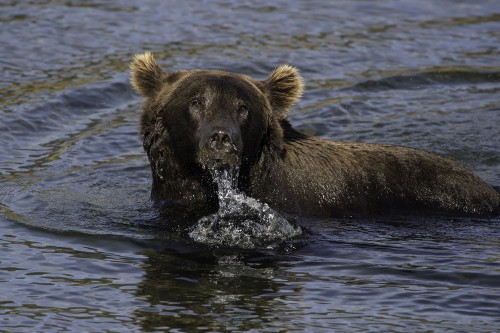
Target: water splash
241, 221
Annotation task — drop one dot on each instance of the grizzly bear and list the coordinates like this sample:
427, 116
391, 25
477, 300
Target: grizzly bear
194, 121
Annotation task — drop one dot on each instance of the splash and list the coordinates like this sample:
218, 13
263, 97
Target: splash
241, 221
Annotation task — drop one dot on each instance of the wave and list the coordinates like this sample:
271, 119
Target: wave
428, 78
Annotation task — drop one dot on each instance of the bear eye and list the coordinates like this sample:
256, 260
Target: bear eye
243, 110
196, 103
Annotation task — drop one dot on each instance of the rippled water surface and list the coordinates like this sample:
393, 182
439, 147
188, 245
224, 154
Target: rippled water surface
82, 248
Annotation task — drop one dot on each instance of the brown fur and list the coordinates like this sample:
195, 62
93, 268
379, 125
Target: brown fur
285, 87
288, 170
147, 74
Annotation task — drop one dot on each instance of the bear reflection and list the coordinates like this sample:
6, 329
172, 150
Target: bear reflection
210, 289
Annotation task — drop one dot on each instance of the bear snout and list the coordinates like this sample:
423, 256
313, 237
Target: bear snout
221, 140
220, 149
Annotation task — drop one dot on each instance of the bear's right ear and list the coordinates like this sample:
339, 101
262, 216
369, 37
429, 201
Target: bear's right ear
146, 74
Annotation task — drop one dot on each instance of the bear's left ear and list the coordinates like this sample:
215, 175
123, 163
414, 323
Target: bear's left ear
146, 74
284, 87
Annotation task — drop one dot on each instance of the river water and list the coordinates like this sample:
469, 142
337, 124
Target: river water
82, 248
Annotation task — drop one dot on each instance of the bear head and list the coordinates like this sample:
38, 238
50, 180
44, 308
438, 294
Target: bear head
199, 119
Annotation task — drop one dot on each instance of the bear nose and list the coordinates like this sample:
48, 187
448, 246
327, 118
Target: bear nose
221, 140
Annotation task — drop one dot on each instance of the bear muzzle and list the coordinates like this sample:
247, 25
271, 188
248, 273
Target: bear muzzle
220, 149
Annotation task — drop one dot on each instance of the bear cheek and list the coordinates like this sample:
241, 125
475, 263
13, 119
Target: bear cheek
254, 137
181, 141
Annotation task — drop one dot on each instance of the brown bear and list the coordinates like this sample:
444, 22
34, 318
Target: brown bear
196, 120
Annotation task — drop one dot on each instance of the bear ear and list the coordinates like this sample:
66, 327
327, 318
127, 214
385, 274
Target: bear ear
285, 87
146, 74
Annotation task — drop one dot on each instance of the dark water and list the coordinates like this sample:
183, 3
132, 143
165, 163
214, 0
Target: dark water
82, 250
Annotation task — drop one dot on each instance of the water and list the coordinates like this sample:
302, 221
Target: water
83, 250
241, 221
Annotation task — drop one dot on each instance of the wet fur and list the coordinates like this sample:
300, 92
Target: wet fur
351, 178
288, 170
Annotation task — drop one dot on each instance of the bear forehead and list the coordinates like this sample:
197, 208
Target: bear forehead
201, 82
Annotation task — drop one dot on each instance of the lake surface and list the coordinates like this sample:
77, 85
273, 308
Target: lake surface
82, 248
